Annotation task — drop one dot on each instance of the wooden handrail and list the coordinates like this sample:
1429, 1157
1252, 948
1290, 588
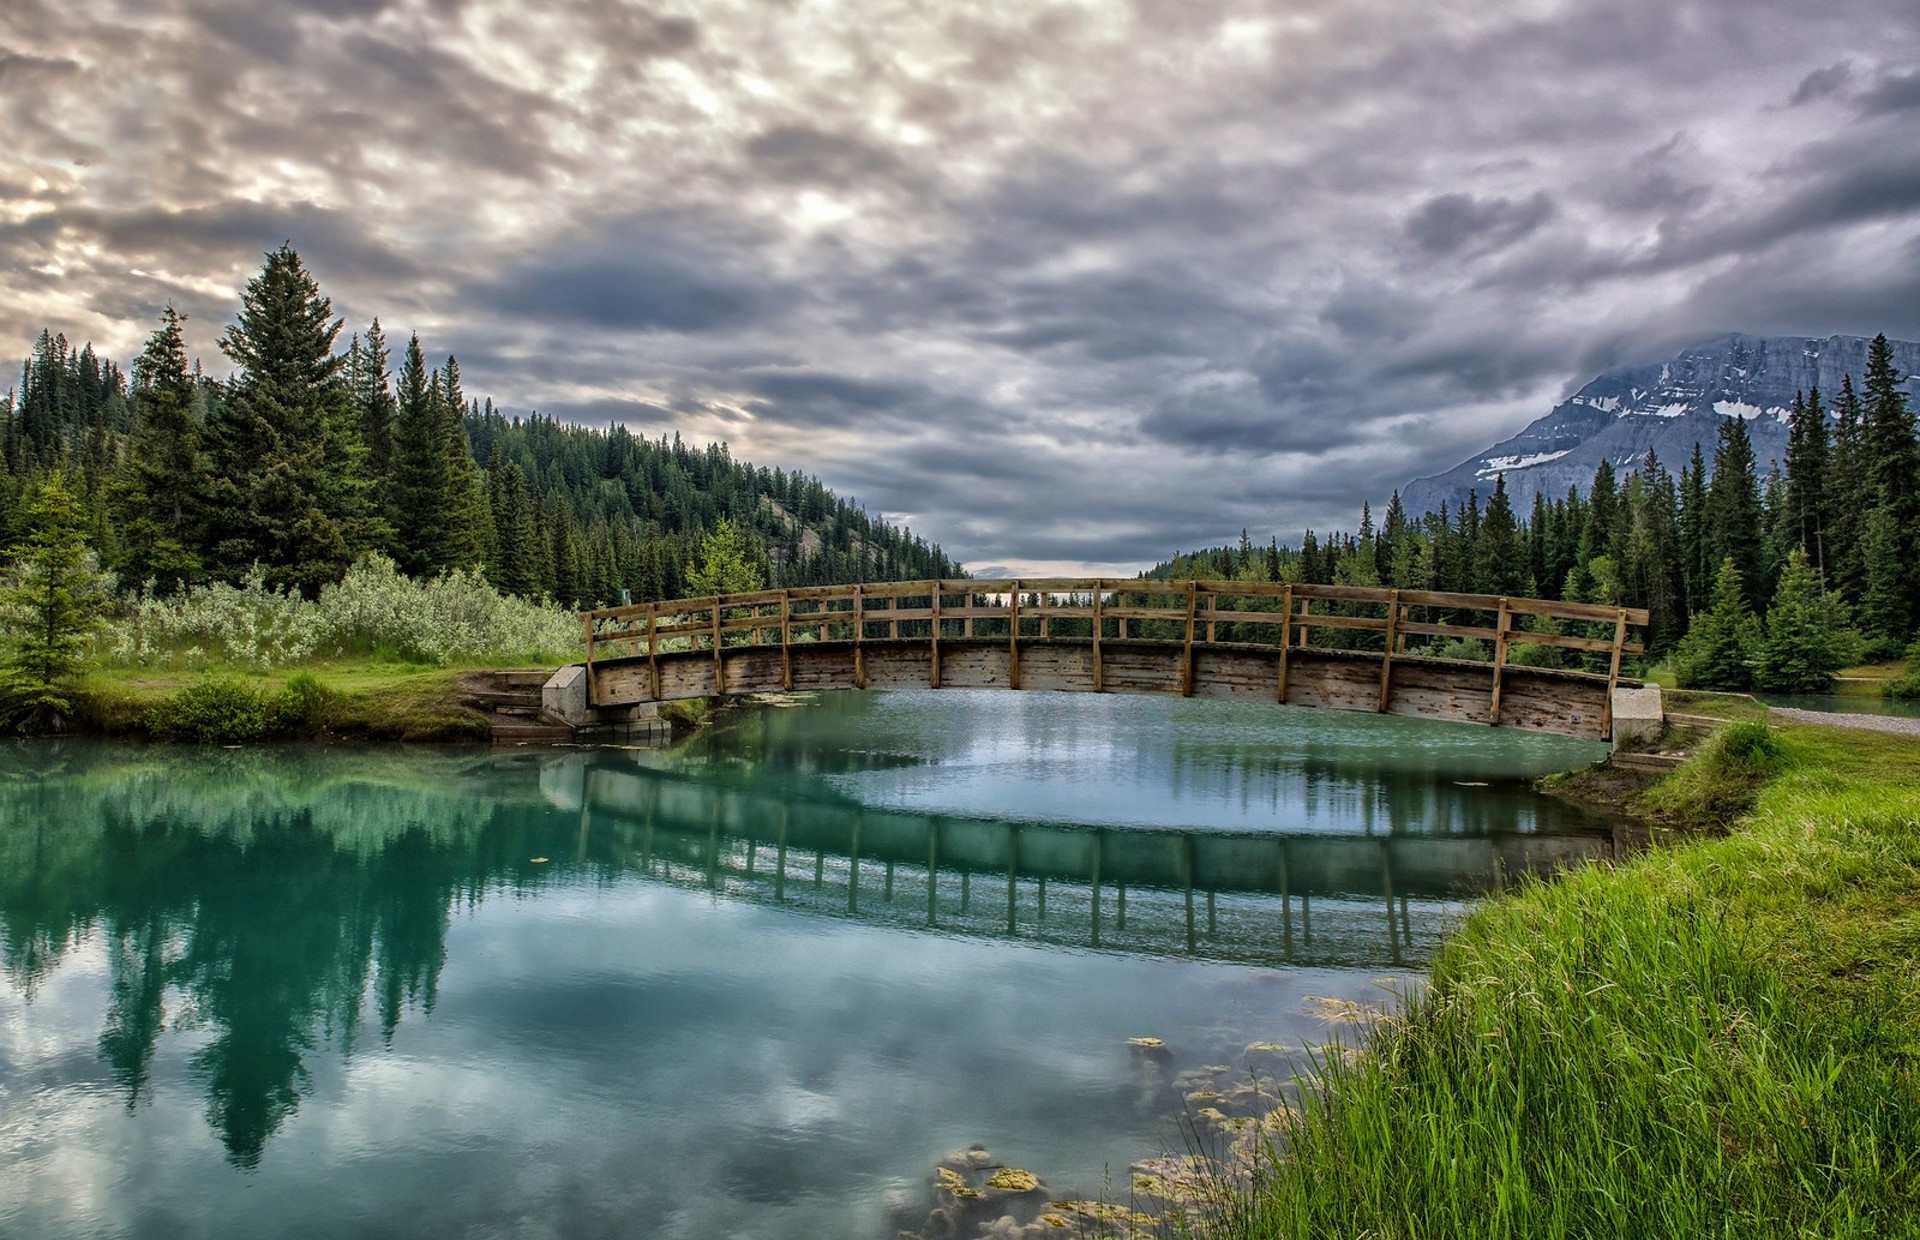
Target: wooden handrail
1189, 614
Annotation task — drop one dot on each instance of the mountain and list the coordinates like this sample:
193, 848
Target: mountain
1665, 407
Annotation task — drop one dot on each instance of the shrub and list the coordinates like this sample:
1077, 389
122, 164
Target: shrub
302, 706
1720, 782
214, 710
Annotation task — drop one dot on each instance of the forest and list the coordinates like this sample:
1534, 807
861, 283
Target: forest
313, 455
1751, 579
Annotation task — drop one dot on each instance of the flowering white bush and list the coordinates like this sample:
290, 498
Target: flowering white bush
376, 608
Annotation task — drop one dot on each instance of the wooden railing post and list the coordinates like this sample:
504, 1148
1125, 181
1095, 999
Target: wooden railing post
1386, 654
1613, 666
586, 624
719, 672
933, 674
1286, 635
859, 637
1013, 636
1099, 670
653, 648
1186, 665
786, 639
1499, 659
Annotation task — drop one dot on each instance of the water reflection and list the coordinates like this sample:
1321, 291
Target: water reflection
793, 900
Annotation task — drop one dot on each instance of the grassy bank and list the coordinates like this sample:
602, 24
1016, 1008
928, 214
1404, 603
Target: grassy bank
1716, 1038
357, 699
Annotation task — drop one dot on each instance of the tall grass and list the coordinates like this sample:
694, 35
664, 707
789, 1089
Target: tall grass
1720, 1038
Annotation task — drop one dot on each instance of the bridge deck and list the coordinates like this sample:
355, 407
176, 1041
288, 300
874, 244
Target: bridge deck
1196, 639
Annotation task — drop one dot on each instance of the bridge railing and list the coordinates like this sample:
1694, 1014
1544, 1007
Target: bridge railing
1283, 615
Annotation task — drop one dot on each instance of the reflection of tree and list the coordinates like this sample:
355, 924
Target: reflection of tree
264, 906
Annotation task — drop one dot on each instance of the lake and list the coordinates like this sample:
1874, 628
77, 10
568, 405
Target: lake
753, 984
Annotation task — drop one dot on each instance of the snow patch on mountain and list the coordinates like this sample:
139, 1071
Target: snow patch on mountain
1663, 408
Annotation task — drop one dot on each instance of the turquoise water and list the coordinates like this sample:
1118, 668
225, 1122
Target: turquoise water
753, 985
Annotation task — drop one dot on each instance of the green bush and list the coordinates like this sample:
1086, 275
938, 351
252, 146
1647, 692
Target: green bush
301, 707
1720, 782
214, 710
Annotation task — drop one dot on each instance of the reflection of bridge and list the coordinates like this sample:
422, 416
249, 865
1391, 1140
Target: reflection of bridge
1257, 897
1344, 647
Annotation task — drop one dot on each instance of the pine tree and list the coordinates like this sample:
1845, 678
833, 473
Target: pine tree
371, 383
462, 535
1893, 464
421, 487
1497, 566
1808, 453
1693, 531
1733, 526
1846, 491
286, 489
1807, 633
1718, 649
160, 493
50, 602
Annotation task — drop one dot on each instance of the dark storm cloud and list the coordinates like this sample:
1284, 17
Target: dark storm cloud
975, 265
801, 153
1448, 223
1893, 92
640, 279
1822, 83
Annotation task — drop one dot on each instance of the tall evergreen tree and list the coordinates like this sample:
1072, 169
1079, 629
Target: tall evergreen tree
159, 497
288, 491
1693, 531
50, 603
1847, 499
1893, 461
1497, 566
422, 487
1733, 528
1808, 453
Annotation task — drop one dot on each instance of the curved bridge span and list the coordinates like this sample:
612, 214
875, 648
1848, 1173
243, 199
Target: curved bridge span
1338, 647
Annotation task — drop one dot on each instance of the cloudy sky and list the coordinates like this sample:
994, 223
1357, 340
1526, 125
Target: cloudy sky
1062, 285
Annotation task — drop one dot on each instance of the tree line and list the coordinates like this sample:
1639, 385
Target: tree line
311, 456
1727, 560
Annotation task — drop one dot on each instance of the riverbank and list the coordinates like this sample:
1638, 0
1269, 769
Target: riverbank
359, 700
1721, 1036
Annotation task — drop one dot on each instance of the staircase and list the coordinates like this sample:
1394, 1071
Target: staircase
511, 702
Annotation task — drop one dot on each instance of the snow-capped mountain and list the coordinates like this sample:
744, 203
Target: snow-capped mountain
1666, 408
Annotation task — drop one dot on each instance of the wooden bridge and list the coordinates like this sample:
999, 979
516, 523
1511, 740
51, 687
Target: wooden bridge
1338, 647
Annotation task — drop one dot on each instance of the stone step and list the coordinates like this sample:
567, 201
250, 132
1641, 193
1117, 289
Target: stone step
1648, 761
519, 679
481, 699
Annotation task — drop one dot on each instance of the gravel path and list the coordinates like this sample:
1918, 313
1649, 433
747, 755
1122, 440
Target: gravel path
1873, 723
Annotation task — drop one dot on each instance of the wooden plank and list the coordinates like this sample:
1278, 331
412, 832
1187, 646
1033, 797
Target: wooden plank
1499, 660
653, 648
1099, 624
719, 671
933, 657
1613, 666
1013, 636
1386, 657
1186, 663
1286, 638
586, 622
786, 640
859, 638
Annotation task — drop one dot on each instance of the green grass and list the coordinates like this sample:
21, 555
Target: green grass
1718, 1038
368, 698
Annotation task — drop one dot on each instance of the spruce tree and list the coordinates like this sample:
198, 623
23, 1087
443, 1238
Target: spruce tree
1847, 499
1808, 453
1693, 531
421, 486
286, 490
1720, 647
1893, 462
1808, 639
1497, 566
1733, 527
50, 600
160, 493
